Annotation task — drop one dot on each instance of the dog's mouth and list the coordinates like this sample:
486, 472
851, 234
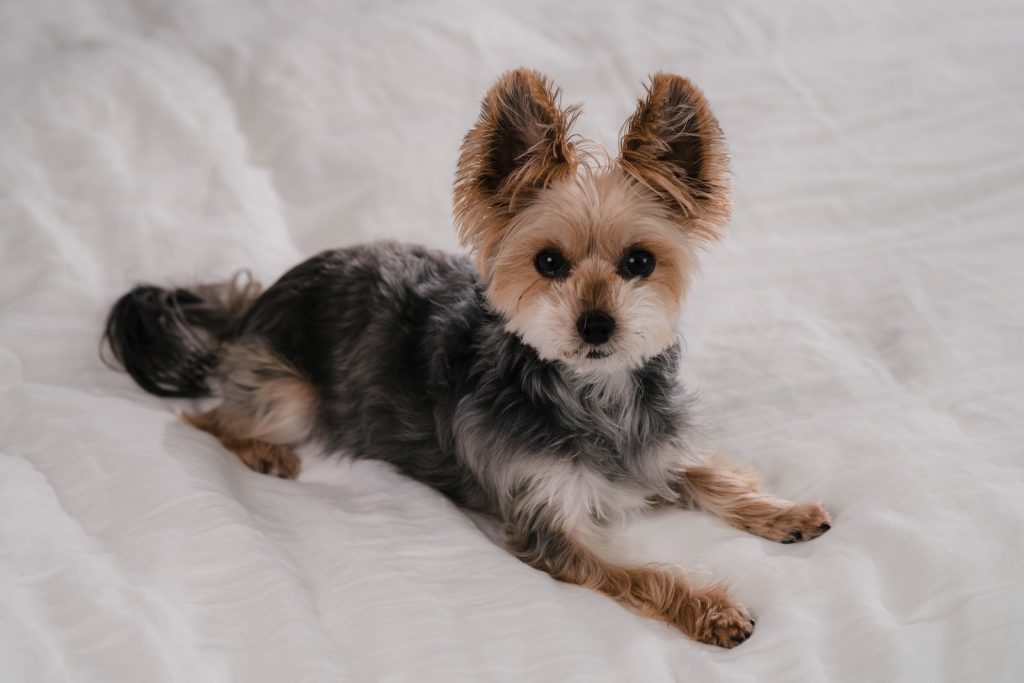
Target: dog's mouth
598, 355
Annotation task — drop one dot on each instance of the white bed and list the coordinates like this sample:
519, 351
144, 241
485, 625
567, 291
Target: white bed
858, 338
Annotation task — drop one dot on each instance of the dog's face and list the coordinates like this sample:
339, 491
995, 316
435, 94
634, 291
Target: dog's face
590, 264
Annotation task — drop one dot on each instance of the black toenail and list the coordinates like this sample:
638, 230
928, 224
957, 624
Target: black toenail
787, 541
738, 639
824, 527
752, 623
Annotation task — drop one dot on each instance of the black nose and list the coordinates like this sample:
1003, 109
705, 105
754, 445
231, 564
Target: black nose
595, 327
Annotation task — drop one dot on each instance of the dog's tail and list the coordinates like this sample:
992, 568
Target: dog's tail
169, 339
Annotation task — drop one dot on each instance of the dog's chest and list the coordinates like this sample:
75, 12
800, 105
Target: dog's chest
617, 430
581, 493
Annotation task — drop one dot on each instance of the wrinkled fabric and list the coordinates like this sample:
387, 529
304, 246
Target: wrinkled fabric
858, 338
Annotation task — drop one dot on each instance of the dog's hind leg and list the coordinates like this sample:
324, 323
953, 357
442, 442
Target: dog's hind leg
268, 408
733, 496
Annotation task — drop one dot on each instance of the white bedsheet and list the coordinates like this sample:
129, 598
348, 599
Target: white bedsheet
857, 338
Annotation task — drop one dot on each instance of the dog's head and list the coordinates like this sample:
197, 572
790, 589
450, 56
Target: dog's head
589, 263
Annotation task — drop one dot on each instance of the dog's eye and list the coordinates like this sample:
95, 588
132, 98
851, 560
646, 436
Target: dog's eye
637, 263
551, 264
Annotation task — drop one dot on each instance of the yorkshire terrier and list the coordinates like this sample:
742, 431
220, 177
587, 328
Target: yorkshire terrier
536, 382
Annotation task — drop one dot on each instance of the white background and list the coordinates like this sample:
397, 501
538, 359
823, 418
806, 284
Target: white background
857, 338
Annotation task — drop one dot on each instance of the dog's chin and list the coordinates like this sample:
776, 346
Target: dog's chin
622, 352
597, 360
613, 357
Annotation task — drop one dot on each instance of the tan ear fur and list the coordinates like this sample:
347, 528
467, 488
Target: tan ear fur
519, 145
673, 146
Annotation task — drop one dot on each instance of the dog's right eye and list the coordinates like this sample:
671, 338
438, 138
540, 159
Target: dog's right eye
551, 264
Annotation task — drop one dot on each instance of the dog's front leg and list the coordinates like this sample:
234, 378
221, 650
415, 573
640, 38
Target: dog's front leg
734, 497
706, 613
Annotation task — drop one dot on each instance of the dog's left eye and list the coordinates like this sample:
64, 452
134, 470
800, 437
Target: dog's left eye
637, 263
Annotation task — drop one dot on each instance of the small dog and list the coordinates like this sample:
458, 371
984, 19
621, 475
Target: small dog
536, 383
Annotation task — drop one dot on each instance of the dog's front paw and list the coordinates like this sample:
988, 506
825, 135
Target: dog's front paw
723, 622
801, 522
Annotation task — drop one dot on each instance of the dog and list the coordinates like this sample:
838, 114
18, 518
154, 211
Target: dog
534, 380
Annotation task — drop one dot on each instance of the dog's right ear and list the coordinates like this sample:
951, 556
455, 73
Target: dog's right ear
519, 145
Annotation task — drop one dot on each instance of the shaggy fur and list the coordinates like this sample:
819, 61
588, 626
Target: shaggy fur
480, 378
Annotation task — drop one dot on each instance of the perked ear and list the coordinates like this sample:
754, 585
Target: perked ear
673, 146
519, 145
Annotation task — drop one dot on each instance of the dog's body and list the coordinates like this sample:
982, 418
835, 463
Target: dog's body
538, 385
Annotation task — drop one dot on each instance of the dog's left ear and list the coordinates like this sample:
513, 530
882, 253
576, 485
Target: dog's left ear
672, 145
519, 145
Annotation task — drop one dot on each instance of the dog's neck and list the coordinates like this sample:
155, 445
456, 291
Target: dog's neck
619, 413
